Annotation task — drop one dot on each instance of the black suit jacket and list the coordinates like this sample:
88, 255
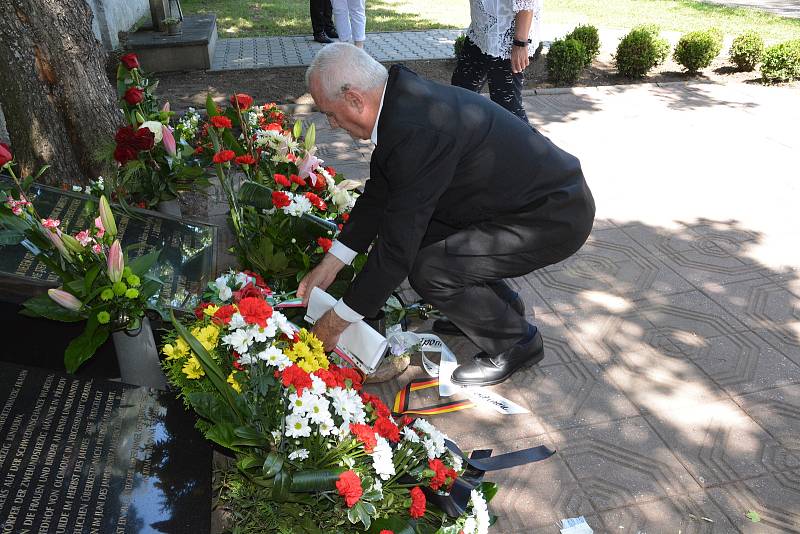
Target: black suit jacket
448, 158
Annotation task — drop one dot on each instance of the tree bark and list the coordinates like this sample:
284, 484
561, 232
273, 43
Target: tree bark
59, 105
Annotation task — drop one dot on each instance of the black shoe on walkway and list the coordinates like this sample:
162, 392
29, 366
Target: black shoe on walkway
332, 33
485, 370
445, 326
322, 38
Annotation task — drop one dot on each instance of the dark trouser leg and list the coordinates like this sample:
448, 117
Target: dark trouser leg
470, 71
318, 11
505, 87
327, 15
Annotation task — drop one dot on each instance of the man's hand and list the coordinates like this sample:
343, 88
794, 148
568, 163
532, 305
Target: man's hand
322, 276
328, 329
519, 59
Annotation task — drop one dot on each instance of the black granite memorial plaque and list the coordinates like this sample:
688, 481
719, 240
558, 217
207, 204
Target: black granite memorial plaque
98, 457
186, 263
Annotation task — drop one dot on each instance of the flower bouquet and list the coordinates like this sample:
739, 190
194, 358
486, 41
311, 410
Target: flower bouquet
300, 425
288, 206
99, 284
154, 164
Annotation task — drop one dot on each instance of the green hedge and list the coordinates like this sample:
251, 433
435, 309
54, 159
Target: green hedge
589, 37
565, 60
696, 50
781, 62
746, 51
641, 50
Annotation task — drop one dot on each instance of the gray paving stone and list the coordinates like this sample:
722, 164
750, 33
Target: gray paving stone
691, 514
775, 498
778, 411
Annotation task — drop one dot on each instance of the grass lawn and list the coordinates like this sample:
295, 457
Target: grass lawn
247, 18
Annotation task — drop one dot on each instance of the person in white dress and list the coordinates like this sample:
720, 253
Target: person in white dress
351, 21
500, 40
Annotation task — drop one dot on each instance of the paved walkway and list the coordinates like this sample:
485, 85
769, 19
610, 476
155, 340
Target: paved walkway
671, 383
784, 8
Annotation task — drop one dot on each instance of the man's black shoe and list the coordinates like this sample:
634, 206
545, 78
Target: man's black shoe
332, 33
485, 370
322, 38
445, 326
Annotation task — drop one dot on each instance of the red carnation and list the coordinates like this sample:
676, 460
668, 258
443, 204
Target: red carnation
280, 199
5, 154
282, 180
133, 96
274, 126
255, 311
223, 155
294, 376
246, 159
320, 183
316, 201
296, 179
331, 379
247, 291
131, 61
223, 314
439, 473
331, 171
384, 531
386, 429
221, 121
349, 486
381, 410
366, 435
324, 243
348, 373
276, 116
417, 509
241, 100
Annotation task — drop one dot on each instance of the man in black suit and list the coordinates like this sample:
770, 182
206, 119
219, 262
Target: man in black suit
461, 195
322, 21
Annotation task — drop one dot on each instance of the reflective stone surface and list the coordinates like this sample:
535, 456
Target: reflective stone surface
81, 455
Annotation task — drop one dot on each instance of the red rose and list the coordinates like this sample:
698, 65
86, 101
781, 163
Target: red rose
133, 96
247, 291
294, 376
124, 135
241, 100
366, 435
280, 199
324, 243
223, 155
320, 183
259, 281
221, 122
246, 159
316, 201
144, 139
386, 429
349, 487
282, 180
417, 509
131, 61
5, 154
223, 315
255, 310
345, 217
123, 154
296, 179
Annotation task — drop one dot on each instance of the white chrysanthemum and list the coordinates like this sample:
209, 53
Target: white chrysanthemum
237, 321
470, 526
318, 386
327, 427
297, 426
318, 409
258, 334
410, 435
434, 442
299, 454
240, 340
246, 359
378, 486
481, 512
456, 461
275, 357
382, 460
298, 206
282, 323
300, 404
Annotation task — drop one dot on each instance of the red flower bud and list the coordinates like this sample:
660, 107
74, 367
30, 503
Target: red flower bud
133, 96
131, 61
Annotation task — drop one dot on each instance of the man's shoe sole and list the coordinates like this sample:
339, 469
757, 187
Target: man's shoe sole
539, 356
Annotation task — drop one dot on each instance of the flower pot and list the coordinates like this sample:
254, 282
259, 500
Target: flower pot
174, 29
138, 357
170, 207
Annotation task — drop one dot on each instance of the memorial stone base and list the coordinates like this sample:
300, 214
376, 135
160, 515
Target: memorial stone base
192, 49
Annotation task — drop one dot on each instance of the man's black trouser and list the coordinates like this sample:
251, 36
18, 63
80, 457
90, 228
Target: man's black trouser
468, 288
321, 15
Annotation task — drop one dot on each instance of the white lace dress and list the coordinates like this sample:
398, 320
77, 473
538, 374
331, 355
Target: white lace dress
492, 27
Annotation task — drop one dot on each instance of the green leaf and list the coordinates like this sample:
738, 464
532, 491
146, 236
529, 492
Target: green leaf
11, 237
398, 525
363, 515
39, 173
256, 195
352, 515
91, 276
248, 462
221, 433
281, 485
211, 106
85, 345
141, 265
489, 490
27, 182
753, 516
315, 480
272, 465
44, 306
210, 406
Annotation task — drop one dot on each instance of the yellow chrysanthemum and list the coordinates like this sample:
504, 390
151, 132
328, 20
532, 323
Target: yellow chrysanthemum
308, 353
208, 336
192, 368
174, 351
211, 310
234, 384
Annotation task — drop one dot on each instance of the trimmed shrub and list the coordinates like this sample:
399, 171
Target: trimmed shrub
781, 62
696, 50
458, 45
641, 50
746, 51
565, 60
590, 38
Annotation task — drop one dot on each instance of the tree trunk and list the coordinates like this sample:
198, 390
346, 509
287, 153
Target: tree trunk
58, 102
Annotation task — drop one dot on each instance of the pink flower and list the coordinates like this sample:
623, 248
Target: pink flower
101, 231
83, 237
97, 248
307, 165
116, 263
17, 205
51, 223
169, 140
64, 299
